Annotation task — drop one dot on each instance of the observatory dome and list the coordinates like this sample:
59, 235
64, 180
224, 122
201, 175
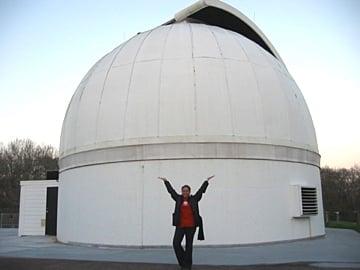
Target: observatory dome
187, 82
204, 93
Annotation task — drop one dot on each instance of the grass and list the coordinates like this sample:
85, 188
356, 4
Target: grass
344, 225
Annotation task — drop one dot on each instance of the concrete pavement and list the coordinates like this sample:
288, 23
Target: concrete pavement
339, 248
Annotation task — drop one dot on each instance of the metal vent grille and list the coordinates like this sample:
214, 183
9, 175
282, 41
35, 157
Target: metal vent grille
309, 201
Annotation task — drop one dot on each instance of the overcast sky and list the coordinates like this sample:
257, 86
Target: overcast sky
46, 47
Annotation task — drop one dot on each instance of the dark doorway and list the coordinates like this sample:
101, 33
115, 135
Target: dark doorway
51, 210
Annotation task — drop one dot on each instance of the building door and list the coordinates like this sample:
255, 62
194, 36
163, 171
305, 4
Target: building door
51, 210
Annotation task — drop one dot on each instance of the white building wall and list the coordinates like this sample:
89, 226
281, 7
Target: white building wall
248, 201
32, 212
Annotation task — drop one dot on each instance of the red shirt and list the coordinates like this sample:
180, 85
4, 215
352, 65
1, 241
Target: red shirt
186, 215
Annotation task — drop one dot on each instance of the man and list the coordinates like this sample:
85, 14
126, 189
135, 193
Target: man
186, 218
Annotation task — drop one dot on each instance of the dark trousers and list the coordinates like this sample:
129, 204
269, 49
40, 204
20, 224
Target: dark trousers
184, 257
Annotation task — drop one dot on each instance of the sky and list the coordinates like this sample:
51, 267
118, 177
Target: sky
46, 47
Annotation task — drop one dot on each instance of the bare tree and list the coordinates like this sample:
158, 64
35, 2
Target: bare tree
21, 160
341, 190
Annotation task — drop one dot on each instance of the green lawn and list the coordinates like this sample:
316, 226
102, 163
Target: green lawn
344, 225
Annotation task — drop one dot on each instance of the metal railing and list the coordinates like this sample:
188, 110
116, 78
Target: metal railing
9, 220
338, 216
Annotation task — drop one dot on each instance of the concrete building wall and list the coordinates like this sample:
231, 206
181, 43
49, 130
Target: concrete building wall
124, 203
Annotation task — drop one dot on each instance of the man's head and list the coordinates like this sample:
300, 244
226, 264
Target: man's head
185, 191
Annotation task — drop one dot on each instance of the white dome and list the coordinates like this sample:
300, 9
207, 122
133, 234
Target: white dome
205, 93
187, 82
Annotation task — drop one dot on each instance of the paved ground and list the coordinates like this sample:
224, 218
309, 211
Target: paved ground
53, 264
339, 249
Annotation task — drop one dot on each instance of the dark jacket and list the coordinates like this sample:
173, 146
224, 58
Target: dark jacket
193, 201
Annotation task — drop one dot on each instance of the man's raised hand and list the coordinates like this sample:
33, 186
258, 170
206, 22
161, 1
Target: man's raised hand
163, 178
